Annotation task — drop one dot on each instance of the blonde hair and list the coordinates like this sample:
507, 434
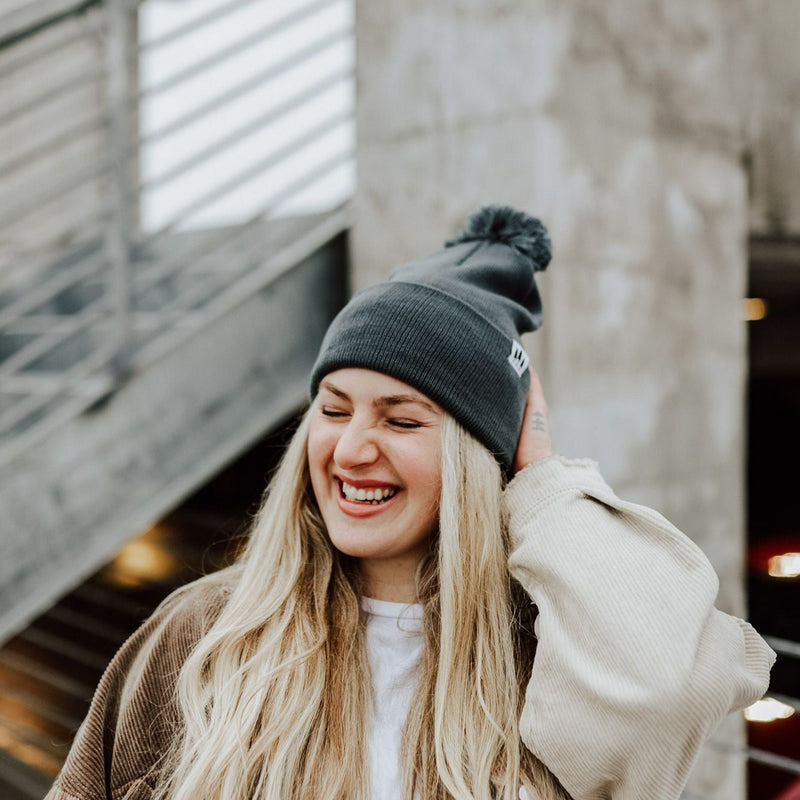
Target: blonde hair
275, 697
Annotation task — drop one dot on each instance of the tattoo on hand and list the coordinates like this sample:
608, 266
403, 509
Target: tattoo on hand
538, 422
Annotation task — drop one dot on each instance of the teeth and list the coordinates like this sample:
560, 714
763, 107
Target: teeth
367, 495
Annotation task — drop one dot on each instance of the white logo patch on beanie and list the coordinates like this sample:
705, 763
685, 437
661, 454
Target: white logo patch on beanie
518, 358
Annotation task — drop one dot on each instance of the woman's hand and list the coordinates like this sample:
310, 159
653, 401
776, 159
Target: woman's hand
534, 438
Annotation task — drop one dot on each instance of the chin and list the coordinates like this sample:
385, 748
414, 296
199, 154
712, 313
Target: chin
379, 544
356, 546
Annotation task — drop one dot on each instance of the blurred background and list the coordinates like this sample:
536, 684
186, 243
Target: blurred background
190, 189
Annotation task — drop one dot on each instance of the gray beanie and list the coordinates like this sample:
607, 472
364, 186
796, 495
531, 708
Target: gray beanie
449, 325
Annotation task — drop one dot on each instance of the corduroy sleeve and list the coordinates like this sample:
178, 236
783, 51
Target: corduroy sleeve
133, 718
634, 666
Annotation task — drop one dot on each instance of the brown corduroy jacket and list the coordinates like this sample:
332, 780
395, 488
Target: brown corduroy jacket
133, 718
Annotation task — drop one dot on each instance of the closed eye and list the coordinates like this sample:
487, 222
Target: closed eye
333, 412
406, 424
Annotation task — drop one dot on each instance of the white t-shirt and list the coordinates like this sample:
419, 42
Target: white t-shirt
394, 648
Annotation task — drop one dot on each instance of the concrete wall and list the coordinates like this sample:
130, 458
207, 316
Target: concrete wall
775, 157
623, 125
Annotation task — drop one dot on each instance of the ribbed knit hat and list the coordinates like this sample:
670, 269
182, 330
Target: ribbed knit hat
449, 325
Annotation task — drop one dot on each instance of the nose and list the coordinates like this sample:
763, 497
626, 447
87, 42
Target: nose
357, 446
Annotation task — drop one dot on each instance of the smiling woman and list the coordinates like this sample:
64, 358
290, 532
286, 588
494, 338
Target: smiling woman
431, 604
374, 459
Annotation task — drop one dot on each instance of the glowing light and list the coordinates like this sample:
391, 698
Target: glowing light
755, 308
784, 566
768, 710
142, 561
29, 754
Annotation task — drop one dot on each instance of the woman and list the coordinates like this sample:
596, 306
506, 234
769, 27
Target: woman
377, 638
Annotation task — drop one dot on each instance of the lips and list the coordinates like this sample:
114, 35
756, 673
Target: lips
362, 498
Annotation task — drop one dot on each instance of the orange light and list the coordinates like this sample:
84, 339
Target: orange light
755, 308
29, 754
142, 561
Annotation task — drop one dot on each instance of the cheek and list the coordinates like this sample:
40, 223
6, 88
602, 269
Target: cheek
434, 480
424, 470
319, 451
433, 464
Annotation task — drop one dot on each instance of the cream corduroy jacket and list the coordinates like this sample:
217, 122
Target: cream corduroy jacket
634, 667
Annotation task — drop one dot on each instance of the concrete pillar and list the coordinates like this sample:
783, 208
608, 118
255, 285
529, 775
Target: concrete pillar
775, 160
623, 126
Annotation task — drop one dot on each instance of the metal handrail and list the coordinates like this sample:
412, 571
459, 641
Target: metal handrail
84, 368
74, 324
48, 289
144, 321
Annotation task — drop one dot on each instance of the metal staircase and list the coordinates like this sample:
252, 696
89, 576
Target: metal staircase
174, 182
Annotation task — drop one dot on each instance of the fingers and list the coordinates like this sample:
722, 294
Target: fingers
535, 442
536, 395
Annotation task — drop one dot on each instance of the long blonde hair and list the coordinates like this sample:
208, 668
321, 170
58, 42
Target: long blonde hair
275, 697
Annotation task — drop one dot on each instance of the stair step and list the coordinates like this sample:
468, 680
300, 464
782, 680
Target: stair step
20, 782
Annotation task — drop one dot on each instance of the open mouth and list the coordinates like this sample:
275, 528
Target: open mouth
374, 495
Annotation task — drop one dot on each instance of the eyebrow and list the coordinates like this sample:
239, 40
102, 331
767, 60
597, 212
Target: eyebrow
382, 402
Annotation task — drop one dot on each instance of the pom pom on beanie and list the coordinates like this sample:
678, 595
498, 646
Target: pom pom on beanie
505, 225
449, 325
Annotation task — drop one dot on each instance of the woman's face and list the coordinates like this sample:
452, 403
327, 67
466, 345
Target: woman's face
374, 458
